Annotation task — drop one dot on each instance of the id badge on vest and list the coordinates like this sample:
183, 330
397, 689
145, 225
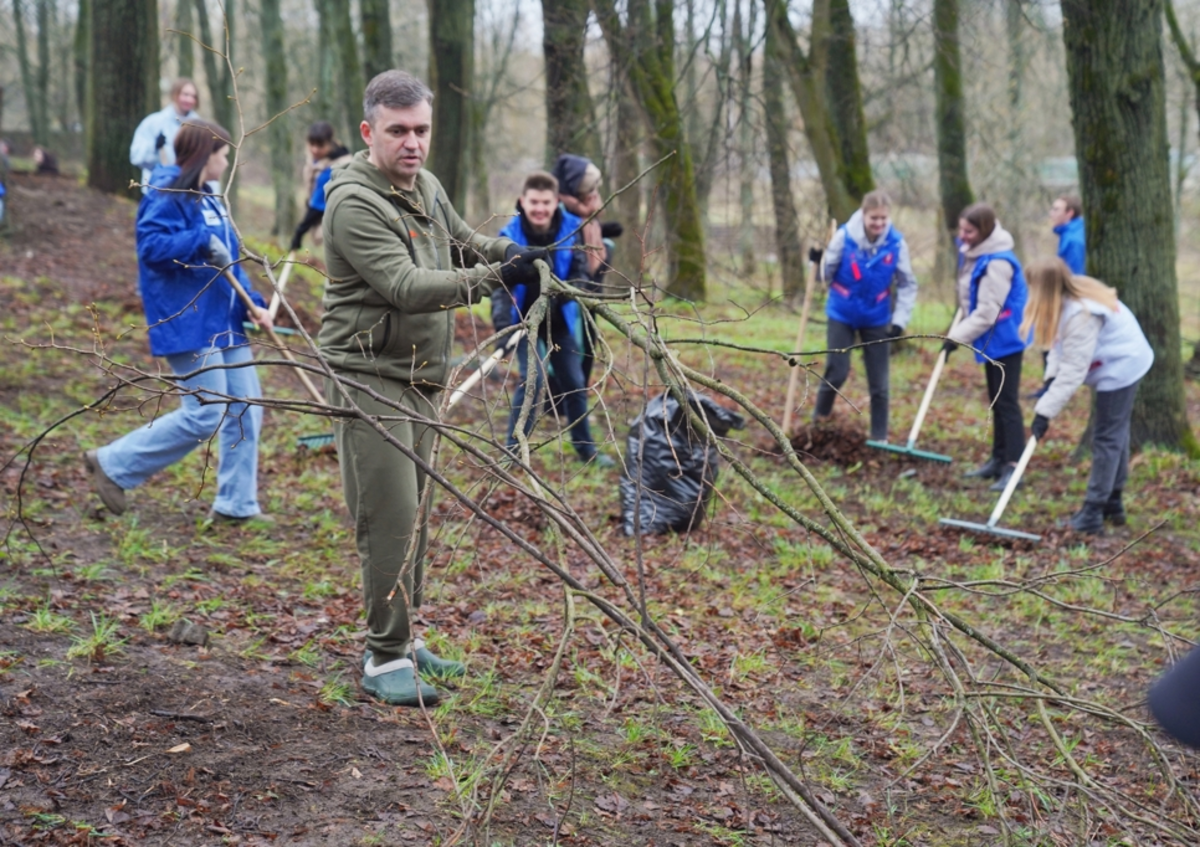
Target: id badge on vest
212, 217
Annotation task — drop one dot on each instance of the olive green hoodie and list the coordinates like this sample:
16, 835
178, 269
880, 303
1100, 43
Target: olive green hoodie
392, 280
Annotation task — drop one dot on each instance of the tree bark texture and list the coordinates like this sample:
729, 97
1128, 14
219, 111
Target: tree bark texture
626, 167
808, 88
844, 91
787, 223
570, 115
216, 68
1117, 90
184, 43
279, 132
123, 56
80, 58
350, 72
377, 37
35, 106
951, 121
325, 104
649, 40
43, 70
747, 166
451, 75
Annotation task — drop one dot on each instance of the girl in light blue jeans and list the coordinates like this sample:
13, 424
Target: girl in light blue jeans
195, 318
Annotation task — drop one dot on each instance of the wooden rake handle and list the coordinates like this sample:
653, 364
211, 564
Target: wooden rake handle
287, 354
281, 284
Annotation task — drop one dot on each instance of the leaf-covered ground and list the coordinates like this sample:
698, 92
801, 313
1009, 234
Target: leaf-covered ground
113, 733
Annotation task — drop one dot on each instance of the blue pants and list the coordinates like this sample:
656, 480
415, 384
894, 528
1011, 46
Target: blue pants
132, 459
570, 391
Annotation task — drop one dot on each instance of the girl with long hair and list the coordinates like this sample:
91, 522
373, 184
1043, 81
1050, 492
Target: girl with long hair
184, 241
1093, 340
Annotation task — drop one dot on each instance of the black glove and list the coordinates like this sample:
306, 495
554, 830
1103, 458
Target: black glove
815, 254
895, 331
611, 229
949, 346
518, 269
160, 142
1040, 424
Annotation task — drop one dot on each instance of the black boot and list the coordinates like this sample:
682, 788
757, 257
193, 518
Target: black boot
1114, 509
1089, 520
991, 469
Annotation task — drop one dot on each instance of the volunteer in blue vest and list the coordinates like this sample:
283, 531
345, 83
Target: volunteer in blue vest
154, 140
1066, 216
542, 222
865, 259
324, 152
1095, 340
992, 294
184, 239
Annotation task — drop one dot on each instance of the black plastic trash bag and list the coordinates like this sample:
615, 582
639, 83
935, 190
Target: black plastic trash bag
669, 468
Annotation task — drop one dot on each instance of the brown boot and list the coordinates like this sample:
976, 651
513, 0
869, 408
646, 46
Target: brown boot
112, 494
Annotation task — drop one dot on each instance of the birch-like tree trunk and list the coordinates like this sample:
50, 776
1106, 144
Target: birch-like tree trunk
787, 223
1118, 100
451, 75
123, 63
377, 37
279, 133
953, 183
570, 115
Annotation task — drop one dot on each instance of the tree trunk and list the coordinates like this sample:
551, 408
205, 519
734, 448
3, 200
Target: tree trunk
123, 58
324, 102
377, 37
184, 44
717, 135
451, 74
626, 167
33, 103
570, 116
650, 42
808, 90
746, 163
951, 124
279, 132
787, 222
1118, 100
845, 100
216, 68
350, 71
80, 57
43, 70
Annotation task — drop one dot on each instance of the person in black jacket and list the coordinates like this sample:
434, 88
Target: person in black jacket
324, 152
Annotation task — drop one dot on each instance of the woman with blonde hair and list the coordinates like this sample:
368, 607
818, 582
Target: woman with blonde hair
1093, 339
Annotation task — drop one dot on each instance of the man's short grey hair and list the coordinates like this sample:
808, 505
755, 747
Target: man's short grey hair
395, 90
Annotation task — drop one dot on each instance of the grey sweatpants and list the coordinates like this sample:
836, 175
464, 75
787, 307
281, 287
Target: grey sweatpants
1110, 443
838, 336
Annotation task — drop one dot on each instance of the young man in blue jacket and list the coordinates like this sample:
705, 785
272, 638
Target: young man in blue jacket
1066, 216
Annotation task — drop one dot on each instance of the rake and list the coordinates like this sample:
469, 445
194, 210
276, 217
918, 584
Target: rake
991, 526
910, 449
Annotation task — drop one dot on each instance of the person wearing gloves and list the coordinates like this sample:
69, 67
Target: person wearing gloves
1093, 339
324, 153
866, 257
991, 295
400, 260
154, 140
542, 222
184, 240
1066, 216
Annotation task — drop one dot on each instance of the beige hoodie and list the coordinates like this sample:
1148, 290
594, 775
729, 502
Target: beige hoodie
993, 287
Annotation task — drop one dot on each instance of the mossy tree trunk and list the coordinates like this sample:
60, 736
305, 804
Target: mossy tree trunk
185, 47
326, 105
805, 73
452, 75
350, 73
951, 119
570, 115
787, 223
216, 67
844, 91
123, 62
280, 131
80, 58
1118, 101
649, 42
377, 37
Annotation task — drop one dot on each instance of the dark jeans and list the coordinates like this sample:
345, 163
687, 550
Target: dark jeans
838, 336
1110, 443
570, 390
1004, 392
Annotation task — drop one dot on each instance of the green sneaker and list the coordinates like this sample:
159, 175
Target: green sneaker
429, 664
396, 683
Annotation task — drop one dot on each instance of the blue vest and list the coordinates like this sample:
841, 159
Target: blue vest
861, 291
1004, 338
1072, 245
560, 264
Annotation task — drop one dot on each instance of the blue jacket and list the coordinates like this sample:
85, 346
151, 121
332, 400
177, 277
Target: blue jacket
860, 292
187, 308
1072, 245
1004, 338
566, 264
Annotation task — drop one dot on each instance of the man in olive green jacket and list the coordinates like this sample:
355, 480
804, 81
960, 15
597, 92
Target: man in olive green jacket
399, 260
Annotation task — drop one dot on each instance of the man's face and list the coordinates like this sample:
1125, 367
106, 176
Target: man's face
317, 151
399, 141
582, 206
1060, 213
876, 221
539, 208
185, 101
